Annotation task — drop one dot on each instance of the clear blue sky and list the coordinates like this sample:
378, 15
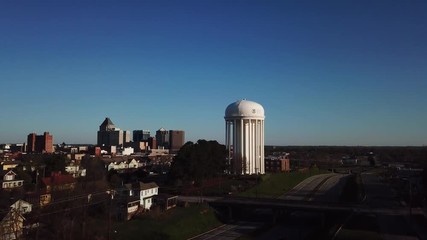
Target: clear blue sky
326, 72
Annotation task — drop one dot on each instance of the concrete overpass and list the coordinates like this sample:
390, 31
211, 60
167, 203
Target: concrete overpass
227, 206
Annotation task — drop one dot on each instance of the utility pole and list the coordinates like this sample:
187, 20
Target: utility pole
410, 196
84, 215
111, 193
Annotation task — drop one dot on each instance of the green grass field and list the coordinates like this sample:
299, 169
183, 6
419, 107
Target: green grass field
276, 184
178, 223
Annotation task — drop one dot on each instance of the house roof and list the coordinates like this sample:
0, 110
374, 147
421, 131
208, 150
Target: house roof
20, 203
10, 162
115, 159
9, 172
58, 179
145, 186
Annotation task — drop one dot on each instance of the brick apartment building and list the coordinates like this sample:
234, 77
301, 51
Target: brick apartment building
40, 143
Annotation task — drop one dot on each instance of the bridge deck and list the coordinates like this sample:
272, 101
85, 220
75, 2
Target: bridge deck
312, 206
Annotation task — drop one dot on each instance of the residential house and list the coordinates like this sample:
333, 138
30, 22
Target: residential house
45, 199
117, 165
22, 206
11, 225
59, 182
10, 181
131, 201
133, 163
147, 191
8, 165
75, 170
127, 202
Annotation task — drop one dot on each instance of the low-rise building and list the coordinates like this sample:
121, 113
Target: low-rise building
22, 206
136, 198
127, 151
147, 191
59, 182
8, 165
166, 201
277, 164
75, 170
11, 224
11, 181
122, 164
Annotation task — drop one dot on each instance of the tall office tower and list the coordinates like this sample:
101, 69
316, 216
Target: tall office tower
141, 135
244, 137
31, 143
146, 135
162, 138
137, 135
47, 143
109, 135
40, 143
126, 137
176, 140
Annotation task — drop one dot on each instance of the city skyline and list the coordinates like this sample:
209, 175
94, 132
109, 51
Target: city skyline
330, 73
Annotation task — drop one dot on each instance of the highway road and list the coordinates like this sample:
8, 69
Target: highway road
381, 201
322, 187
330, 190
229, 231
197, 199
379, 194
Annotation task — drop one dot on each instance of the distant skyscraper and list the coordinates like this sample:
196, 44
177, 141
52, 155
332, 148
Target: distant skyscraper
40, 143
152, 143
31, 143
109, 135
126, 137
162, 138
176, 139
141, 135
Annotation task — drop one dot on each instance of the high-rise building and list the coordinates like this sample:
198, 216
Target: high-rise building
162, 138
40, 143
176, 140
141, 135
109, 135
152, 143
126, 137
31, 142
